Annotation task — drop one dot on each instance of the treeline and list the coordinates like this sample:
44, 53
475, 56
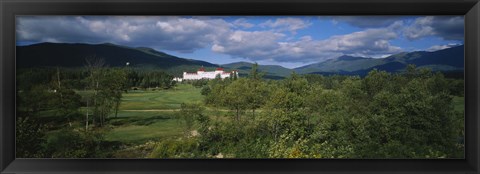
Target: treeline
77, 78
383, 115
150, 79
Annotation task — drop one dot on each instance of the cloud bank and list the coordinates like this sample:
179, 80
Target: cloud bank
274, 39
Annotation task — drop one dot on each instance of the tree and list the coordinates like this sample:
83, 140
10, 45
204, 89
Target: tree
375, 82
29, 138
296, 84
68, 103
352, 89
35, 99
217, 90
254, 73
418, 120
65, 99
256, 95
234, 97
117, 82
287, 107
107, 85
206, 90
189, 113
94, 67
109, 96
411, 71
257, 89
133, 79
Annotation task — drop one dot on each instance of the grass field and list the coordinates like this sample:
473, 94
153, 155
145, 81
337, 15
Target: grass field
150, 115
139, 127
160, 99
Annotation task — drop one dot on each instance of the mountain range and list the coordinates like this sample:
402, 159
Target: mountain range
450, 59
270, 71
75, 55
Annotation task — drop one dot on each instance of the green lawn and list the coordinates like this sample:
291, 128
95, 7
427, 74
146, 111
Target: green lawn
139, 127
160, 99
150, 115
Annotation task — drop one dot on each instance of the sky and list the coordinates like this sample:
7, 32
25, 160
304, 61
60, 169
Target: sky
289, 41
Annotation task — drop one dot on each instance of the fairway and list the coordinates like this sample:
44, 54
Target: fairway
160, 99
150, 115
137, 128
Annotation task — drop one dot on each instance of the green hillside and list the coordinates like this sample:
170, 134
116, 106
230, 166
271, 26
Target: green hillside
271, 71
342, 63
75, 55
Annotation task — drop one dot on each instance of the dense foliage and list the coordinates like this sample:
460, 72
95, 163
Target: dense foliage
381, 115
54, 120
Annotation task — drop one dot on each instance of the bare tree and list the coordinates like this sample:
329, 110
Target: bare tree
94, 67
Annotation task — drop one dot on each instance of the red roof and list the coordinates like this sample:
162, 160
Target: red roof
201, 69
219, 69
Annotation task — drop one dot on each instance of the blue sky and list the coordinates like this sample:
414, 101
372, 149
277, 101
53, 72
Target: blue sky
289, 41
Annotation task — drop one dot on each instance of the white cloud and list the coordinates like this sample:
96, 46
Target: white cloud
441, 47
363, 21
268, 45
166, 33
446, 27
248, 44
287, 24
242, 22
187, 34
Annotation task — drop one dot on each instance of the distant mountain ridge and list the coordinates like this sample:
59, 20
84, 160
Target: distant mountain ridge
450, 59
75, 55
272, 71
342, 63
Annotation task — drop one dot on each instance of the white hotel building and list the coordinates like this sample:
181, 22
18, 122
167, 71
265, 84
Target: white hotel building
202, 74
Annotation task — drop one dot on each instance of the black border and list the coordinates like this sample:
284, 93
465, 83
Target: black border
10, 8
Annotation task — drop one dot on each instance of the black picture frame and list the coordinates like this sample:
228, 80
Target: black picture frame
10, 8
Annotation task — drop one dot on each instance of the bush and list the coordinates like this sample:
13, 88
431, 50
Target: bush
68, 143
29, 138
184, 148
